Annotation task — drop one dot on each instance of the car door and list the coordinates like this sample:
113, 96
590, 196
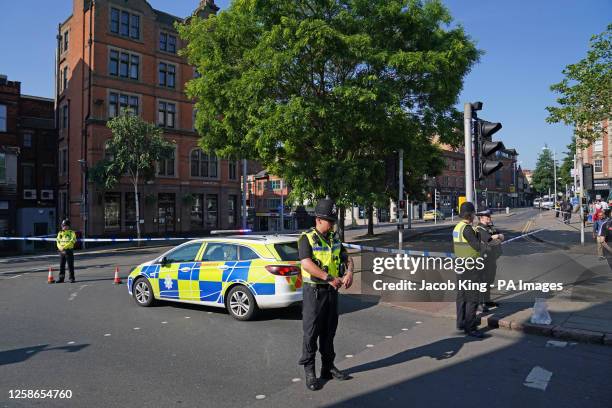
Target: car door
181, 266
218, 264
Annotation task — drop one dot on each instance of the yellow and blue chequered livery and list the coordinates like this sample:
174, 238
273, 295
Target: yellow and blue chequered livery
243, 273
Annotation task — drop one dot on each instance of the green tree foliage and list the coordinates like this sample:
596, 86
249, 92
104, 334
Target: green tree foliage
567, 165
133, 151
543, 175
321, 91
586, 91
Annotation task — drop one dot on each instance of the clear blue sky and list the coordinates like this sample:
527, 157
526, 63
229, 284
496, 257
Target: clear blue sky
527, 44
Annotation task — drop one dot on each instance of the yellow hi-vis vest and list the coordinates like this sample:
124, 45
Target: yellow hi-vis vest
65, 240
326, 256
460, 245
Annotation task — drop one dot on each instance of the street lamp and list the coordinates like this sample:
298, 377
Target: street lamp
554, 174
84, 209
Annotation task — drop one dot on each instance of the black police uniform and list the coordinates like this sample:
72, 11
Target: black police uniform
491, 250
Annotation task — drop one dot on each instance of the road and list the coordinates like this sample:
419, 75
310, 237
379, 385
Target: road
91, 338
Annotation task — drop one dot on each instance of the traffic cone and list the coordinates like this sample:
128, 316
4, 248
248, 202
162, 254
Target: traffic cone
50, 276
117, 280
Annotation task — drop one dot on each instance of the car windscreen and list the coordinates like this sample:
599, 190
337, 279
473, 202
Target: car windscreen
288, 251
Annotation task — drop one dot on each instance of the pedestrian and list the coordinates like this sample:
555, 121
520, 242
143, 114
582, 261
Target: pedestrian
604, 223
65, 241
605, 235
323, 260
466, 244
491, 247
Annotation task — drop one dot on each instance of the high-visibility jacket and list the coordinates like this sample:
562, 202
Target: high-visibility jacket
325, 255
66, 240
460, 245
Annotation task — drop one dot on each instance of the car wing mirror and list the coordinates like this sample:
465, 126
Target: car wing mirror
164, 261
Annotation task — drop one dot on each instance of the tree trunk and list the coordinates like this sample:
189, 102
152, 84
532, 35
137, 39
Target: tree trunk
341, 217
370, 211
137, 208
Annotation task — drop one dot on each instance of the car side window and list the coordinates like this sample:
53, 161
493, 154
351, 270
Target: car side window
247, 254
186, 253
218, 252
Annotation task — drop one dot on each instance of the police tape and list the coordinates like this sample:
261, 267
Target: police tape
98, 239
429, 254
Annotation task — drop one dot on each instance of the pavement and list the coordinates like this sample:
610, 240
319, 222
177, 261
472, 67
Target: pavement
581, 313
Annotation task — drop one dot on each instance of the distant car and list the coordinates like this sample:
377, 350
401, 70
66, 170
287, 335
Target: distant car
242, 274
432, 215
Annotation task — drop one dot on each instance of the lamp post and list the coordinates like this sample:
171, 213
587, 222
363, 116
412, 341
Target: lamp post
84, 204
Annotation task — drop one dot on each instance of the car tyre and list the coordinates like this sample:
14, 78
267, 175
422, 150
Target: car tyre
241, 304
143, 292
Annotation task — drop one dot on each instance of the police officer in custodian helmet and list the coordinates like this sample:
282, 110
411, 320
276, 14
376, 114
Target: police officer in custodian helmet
323, 262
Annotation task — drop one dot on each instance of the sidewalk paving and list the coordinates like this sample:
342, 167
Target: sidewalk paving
589, 322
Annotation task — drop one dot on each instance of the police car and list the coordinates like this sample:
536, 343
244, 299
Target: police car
242, 274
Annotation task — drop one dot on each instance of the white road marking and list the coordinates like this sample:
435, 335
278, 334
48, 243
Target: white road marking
349, 356
538, 378
404, 329
209, 312
136, 328
418, 322
71, 342
107, 335
296, 379
187, 317
555, 343
260, 396
164, 322
388, 337
30, 351
369, 345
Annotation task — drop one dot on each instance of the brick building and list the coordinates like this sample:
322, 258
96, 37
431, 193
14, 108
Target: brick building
119, 54
599, 155
265, 194
28, 167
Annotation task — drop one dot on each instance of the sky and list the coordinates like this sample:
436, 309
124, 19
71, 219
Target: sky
527, 43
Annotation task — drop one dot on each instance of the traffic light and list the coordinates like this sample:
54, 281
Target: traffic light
487, 163
587, 174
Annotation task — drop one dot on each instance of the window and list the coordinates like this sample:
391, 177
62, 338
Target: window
166, 167
63, 161
203, 165
167, 42
197, 212
232, 170
28, 176
112, 210
195, 114
288, 251
185, 253
48, 176
118, 103
123, 64
65, 117
598, 166
27, 139
63, 204
274, 184
232, 210
2, 168
125, 23
64, 78
598, 145
274, 203
217, 252
166, 114
2, 118
167, 75
211, 211
246, 254
65, 41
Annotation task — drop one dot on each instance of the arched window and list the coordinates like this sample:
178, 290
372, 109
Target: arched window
203, 165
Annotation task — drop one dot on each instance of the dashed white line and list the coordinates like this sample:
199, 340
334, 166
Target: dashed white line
187, 317
418, 322
164, 322
404, 329
260, 396
388, 337
71, 342
136, 328
296, 380
107, 335
369, 345
349, 356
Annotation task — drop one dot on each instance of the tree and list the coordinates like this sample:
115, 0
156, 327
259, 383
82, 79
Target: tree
321, 92
132, 152
543, 175
585, 100
565, 170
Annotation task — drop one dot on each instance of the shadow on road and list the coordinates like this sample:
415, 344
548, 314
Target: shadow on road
22, 354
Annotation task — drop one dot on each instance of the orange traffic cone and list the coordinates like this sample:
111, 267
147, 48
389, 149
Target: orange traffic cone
117, 280
50, 276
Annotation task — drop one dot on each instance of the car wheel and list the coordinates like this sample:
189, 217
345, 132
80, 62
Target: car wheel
241, 303
143, 292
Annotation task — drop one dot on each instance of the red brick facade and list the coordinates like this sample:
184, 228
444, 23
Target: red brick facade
116, 53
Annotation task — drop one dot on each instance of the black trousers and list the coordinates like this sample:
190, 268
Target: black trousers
466, 314
319, 321
67, 255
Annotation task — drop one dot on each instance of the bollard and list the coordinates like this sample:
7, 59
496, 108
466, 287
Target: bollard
507, 210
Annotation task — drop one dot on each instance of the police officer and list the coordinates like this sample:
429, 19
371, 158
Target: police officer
491, 245
65, 241
466, 244
323, 260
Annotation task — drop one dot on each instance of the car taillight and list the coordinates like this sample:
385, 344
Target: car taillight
283, 270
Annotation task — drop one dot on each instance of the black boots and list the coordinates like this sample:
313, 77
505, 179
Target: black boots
328, 373
312, 383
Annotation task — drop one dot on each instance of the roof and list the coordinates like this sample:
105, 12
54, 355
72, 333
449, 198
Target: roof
167, 19
262, 239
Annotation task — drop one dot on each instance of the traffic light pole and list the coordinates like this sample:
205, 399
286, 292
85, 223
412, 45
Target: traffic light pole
469, 175
580, 195
400, 213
